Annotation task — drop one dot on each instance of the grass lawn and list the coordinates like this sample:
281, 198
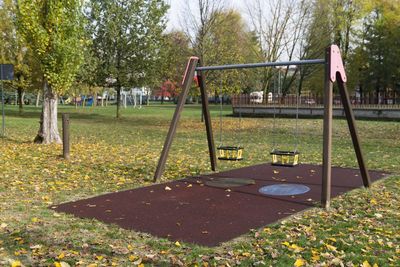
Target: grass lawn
361, 229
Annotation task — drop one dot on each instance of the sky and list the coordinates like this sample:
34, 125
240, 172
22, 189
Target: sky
176, 10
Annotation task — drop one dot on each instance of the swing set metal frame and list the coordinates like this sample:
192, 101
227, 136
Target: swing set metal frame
334, 72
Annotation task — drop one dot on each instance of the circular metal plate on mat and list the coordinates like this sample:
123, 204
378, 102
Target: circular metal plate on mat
229, 182
284, 189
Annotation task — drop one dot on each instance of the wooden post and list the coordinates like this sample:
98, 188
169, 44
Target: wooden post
187, 82
207, 119
327, 134
353, 131
65, 128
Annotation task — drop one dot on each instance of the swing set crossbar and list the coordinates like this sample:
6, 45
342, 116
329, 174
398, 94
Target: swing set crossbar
262, 64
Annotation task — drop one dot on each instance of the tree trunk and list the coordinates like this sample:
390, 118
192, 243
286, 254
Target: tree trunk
94, 100
37, 99
377, 91
20, 100
48, 130
118, 102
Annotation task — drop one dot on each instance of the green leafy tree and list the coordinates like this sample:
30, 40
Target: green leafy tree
53, 30
14, 50
127, 37
176, 53
374, 67
88, 80
334, 22
229, 41
382, 48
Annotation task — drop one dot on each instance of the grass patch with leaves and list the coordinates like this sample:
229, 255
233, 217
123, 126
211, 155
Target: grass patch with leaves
108, 155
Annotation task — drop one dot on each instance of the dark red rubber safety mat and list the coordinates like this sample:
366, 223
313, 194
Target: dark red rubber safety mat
187, 210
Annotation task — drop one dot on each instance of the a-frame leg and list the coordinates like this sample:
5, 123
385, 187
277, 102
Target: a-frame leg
187, 82
207, 119
327, 136
334, 71
353, 131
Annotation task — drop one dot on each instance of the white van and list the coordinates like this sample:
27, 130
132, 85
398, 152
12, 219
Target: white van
256, 97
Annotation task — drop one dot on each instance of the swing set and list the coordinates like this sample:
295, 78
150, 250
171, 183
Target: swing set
229, 153
287, 158
334, 72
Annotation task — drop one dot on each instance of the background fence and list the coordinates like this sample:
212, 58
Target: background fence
312, 100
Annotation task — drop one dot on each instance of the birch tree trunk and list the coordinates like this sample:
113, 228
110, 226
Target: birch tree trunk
48, 130
37, 99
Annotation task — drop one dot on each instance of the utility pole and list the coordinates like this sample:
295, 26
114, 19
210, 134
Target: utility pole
6, 73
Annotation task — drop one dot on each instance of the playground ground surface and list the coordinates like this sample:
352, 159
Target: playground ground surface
110, 155
205, 210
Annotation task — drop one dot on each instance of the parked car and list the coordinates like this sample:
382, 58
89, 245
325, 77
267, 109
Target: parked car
309, 101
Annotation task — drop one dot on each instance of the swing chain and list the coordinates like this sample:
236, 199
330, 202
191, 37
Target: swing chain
220, 113
275, 97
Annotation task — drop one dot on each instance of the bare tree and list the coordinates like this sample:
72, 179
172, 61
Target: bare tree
281, 27
270, 21
198, 20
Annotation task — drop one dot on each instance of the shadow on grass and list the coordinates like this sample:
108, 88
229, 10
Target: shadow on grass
89, 116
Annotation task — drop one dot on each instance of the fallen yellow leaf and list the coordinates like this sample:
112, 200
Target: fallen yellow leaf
315, 258
246, 254
132, 257
366, 264
330, 247
332, 239
296, 248
299, 263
